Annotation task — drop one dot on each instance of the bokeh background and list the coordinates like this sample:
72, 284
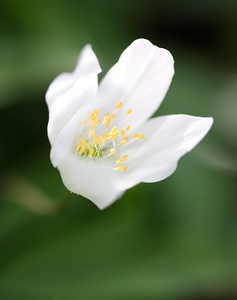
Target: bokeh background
176, 239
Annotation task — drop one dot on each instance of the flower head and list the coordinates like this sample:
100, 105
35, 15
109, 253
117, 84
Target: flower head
102, 139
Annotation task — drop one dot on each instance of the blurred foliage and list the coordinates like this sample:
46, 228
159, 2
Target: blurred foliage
176, 239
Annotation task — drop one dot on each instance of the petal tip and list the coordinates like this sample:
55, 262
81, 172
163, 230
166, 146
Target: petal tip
87, 61
207, 122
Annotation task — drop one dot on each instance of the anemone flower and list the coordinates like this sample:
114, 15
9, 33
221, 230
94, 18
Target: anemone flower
103, 140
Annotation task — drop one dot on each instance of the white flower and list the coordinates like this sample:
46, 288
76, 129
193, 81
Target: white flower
102, 139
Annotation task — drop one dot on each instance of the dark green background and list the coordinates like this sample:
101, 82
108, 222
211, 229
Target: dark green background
176, 239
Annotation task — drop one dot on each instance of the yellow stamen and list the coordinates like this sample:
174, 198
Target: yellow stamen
93, 124
122, 168
82, 150
94, 115
136, 135
125, 158
123, 140
118, 162
81, 141
114, 132
106, 118
98, 140
106, 136
119, 105
78, 148
96, 144
139, 136
91, 151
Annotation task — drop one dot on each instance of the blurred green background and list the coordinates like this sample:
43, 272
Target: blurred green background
176, 239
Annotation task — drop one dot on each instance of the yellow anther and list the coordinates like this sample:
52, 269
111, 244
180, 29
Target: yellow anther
128, 112
123, 140
128, 128
118, 162
93, 124
139, 136
82, 150
91, 152
106, 118
125, 158
123, 132
106, 136
119, 105
136, 135
98, 140
99, 121
81, 141
113, 116
114, 132
122, 168
94, 115
78, 148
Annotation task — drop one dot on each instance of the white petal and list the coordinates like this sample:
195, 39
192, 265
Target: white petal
140, 79
167, 139
70, 91
91, 179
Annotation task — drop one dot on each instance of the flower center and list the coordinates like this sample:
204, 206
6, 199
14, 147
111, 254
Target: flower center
99, 140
